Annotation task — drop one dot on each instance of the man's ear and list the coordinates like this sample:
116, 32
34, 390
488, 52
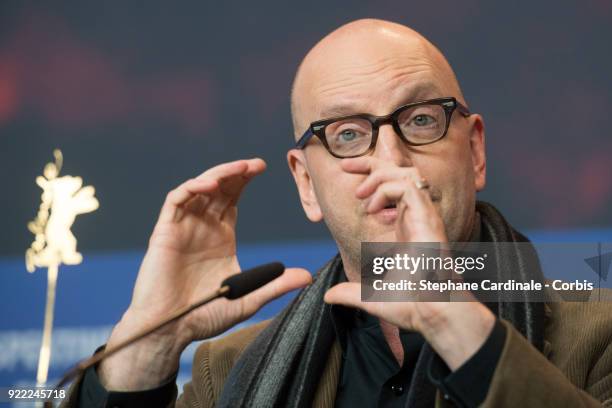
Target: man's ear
477, 146
297, 165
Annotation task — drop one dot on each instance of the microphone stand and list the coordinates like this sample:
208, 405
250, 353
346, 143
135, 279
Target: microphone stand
96, 358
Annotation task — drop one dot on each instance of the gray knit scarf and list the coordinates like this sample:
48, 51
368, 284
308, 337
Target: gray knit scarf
283, 365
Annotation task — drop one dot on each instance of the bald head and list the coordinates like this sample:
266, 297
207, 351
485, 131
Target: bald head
342, 69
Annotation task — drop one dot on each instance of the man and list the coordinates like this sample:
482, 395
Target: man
409, 171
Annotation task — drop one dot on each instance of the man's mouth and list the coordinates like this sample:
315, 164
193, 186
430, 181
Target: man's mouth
387, 215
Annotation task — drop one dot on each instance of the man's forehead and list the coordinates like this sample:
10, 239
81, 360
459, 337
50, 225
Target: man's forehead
410, 92
373, 81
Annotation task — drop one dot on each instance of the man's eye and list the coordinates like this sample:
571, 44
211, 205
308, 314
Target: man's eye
423, 120
347, 135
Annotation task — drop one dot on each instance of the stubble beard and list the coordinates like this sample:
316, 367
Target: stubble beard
349, 236
350, 232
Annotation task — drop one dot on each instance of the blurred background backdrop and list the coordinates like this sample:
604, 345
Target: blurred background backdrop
142, 95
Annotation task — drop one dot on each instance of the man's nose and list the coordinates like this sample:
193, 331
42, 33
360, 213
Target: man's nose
391, 147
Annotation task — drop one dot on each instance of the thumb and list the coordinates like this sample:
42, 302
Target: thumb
291, 279
346, 294
349, 294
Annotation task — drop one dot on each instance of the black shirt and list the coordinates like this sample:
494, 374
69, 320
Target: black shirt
370, 375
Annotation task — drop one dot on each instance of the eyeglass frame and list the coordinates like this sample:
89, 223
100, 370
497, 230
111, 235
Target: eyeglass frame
317, 128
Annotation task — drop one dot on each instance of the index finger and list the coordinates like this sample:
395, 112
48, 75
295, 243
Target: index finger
246, 167
358, 165
231, 186
210, 181
366, 164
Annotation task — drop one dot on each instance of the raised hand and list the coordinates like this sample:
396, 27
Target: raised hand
455, 330
191, 251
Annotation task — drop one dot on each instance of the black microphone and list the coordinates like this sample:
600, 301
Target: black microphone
246, 282
233, 287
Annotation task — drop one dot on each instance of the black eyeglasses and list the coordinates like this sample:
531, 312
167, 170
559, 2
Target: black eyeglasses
418, 123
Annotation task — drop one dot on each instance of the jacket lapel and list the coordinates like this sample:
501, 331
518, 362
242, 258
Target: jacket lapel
325, 396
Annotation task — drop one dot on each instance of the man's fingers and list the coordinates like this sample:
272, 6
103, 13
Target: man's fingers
200, 186
231, 186
225, 169
234, 168
221, 184
418, 218
392, 189
374, 179
418, 200
349, 294
369, 164
291, 279
255, 166
183, 193
206, 182
359, 165
390, 184
387, 193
